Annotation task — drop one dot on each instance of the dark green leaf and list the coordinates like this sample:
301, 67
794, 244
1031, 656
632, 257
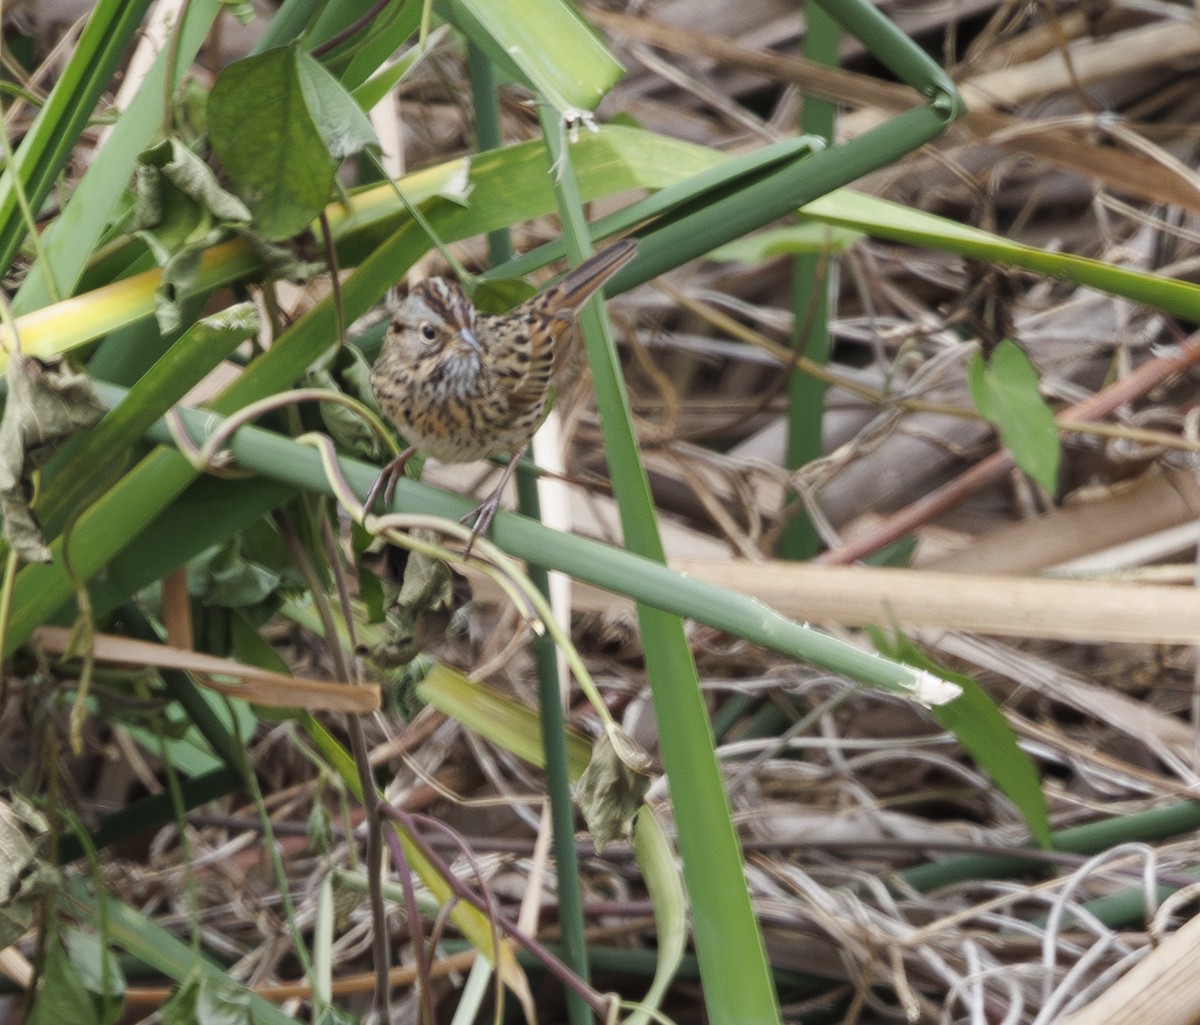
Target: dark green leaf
499, 295
98, 970
224, 576
206, 998
419, 600
339, 120
346, 369
265, 137
175, 176
61, 996
1006, 394
985, 734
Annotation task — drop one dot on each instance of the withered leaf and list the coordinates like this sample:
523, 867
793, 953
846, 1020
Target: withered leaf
611, 788
48, 401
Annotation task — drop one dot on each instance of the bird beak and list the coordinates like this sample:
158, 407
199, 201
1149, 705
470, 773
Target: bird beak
467, 336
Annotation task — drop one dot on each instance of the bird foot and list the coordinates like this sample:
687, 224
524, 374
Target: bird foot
385, 483
482, 516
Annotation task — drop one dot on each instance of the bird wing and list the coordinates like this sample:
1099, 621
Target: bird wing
523, 346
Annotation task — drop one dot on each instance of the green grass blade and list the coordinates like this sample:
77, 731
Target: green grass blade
812, 278
883, 219
729, 945
91, 458
154, 946
499, 718
614, 569
69, 241
48, 143
656, 859
543, 44
983, 731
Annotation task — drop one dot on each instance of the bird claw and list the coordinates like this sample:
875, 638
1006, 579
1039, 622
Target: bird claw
482, 516
385, 483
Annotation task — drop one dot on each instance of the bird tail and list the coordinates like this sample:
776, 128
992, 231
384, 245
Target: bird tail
578, 286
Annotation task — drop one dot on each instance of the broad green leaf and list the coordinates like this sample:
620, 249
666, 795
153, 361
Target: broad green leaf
1005, 391
983, 731
179, 200
207, 998
61, 996
269, 141
543, 44
99, 971
342, 124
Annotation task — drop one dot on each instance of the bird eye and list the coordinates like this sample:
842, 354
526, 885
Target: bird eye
428, 331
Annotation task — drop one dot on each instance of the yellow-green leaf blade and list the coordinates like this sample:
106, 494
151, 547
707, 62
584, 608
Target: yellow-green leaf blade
543, 44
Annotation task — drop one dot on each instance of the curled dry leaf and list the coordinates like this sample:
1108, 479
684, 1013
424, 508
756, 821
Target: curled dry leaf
48, 401
611, 788
419, 599
25, 877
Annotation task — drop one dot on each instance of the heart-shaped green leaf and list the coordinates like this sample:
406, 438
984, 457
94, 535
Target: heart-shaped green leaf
281, 124
1005, 391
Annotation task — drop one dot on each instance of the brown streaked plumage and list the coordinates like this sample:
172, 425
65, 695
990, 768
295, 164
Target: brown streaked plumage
461, 385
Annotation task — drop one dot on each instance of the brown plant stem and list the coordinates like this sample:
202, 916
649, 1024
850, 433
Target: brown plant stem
1134, 385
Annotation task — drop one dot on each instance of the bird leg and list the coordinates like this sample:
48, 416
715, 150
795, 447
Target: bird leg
385, 483
486, 512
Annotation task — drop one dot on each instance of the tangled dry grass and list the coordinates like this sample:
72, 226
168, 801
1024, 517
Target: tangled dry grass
1079, 138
